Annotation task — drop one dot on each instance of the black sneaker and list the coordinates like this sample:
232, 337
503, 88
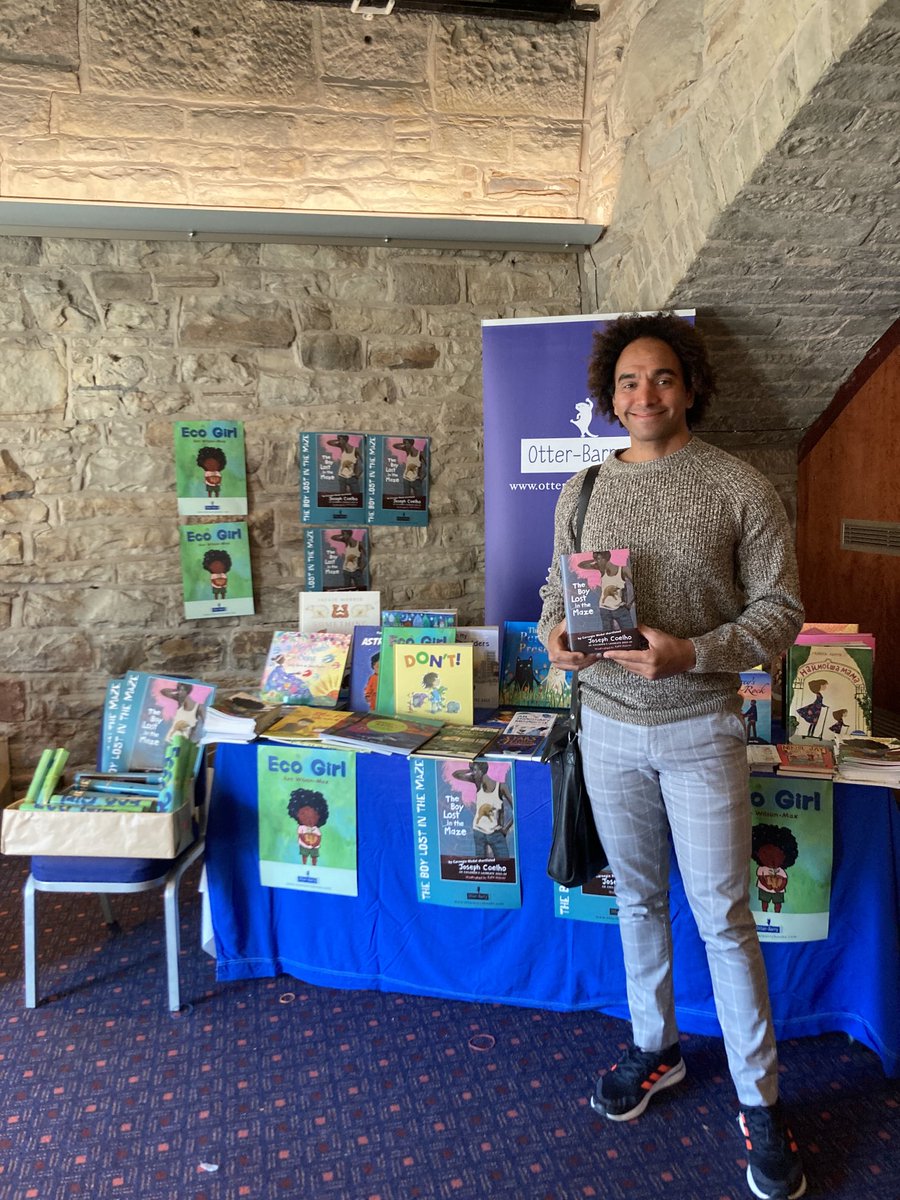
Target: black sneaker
625, 1090
774, 1169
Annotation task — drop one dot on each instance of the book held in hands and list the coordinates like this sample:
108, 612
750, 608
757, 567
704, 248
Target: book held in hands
598, 594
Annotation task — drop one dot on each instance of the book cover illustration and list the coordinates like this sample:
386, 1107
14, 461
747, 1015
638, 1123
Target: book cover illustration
524, 736
792, 850
434, 682
485, 641
152, 710
828, 689
326, 612
382, 735
307, 819
871, 760
304, 668
595, 901
238, 717
365, 657
459, 741
397, 484
527, 679
805, 759
464, 822
210, 468
332, 477
598, 594
215, 570
755, 692
336, 560
392, 635
424, 618
303, 725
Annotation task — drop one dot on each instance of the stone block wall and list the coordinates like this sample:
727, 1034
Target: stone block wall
104, 344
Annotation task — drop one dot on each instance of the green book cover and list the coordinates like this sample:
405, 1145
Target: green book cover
215, 570
210, 469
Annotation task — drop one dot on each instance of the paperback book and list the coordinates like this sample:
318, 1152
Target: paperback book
805, 760
828, 687
210, 469
151, 711
365, 656
238, 717
215, 570
307, 819
397, 482
382, 735
595, 901
303, 725
434, 681
755, 692
305, 668
526, 735
425, 618
598, 594
392, 635
336, 560
332, 478
459, 741
527, 679
485, 642
464, 822
872, 760
326, 612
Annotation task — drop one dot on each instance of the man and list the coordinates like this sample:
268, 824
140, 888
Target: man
663, 746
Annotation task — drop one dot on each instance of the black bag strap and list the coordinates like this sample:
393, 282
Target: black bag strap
587, 486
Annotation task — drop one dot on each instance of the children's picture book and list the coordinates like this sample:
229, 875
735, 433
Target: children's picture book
828, 687
427, 618
303, 725
459, 741
151, 711
305, 668
485, 641
595, 901
598, 594
215, 570
829, 627
434, 681
332, 478
465, 836
805, 760
527, 679
210, 470
871, 760
790, 872
325, 612
398, 480
238, 717
307, 819
382, 735
336, 560
525, 735
391, 635
365, 655
755, 692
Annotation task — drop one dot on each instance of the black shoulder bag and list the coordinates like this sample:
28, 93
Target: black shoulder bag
576, 853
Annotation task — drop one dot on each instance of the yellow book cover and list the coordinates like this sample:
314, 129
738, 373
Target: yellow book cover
435, 682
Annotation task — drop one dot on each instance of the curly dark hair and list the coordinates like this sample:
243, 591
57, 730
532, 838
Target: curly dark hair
213, 452
775, 835
307, 798
677, 333
215, 555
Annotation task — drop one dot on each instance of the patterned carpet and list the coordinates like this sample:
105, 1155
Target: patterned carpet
267, 1089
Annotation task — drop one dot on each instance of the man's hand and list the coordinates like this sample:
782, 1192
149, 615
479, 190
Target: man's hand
666, 655
561, 656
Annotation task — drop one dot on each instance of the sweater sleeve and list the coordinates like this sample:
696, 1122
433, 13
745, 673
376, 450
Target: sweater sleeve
766, 567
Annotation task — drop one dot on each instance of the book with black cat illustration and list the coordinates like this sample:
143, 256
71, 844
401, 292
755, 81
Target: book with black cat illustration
598, 594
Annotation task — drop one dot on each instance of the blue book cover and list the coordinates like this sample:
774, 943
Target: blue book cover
756, 706
595, 901
527, 679
336, 560
332, 478
397, 483
110, 709
365, 655
152, 710
464, 823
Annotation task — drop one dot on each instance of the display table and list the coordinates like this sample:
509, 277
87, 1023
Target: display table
385, 939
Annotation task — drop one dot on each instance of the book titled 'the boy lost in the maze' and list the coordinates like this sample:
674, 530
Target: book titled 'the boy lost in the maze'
398, 482
332, 478
598, 594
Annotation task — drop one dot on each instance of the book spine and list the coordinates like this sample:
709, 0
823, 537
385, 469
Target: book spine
307, 473
373, 444
313, 581
40, 772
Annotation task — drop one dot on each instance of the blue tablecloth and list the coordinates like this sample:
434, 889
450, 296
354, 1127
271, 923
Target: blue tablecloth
385, 939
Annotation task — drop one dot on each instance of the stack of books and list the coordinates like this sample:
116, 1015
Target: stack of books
814, 762
238, 717
871, 760
378, 733
526, 735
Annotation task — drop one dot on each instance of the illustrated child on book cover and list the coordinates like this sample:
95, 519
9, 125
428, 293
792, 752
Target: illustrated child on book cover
774, 849
310, 810
491, 811
218, 563
350, 465
813, 710
615, 589
188, 713
211, 460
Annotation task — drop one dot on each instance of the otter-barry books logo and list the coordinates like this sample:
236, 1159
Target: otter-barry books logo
566, 455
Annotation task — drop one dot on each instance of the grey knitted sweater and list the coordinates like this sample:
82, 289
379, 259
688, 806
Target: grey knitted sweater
713, 560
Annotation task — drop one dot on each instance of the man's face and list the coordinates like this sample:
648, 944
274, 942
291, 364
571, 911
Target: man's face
650, 398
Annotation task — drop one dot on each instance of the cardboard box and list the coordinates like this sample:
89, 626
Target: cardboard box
97, 834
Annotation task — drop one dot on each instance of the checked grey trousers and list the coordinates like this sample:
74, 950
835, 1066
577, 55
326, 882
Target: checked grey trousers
689, 777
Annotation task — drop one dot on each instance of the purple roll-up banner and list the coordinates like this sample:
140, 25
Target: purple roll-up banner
540, 428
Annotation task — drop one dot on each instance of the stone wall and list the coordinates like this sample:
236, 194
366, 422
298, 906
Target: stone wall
104, 344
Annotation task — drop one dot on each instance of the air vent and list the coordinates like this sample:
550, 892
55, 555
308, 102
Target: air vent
872, 537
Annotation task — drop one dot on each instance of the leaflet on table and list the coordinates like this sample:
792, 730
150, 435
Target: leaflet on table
790, 875
464, 831
336, 560
215, 570
332, 478
210, 469
307, 819
595, 901
397, 480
